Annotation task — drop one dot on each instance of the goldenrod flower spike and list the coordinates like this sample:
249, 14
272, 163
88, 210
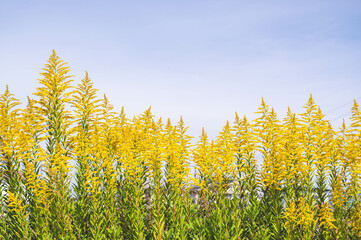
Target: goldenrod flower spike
54, 96
245, 144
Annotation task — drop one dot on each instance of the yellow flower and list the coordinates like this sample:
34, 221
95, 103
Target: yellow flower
15, 204
326, 216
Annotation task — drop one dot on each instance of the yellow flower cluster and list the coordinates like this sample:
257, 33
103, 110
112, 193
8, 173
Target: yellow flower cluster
299, 214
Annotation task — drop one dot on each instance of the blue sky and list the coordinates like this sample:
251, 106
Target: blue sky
204, 60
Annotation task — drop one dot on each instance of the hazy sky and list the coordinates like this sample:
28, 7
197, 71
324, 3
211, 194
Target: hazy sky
204, 60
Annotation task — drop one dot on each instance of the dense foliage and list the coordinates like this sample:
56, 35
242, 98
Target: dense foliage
73, 168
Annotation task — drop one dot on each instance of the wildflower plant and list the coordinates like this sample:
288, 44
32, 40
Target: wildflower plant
72, 167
